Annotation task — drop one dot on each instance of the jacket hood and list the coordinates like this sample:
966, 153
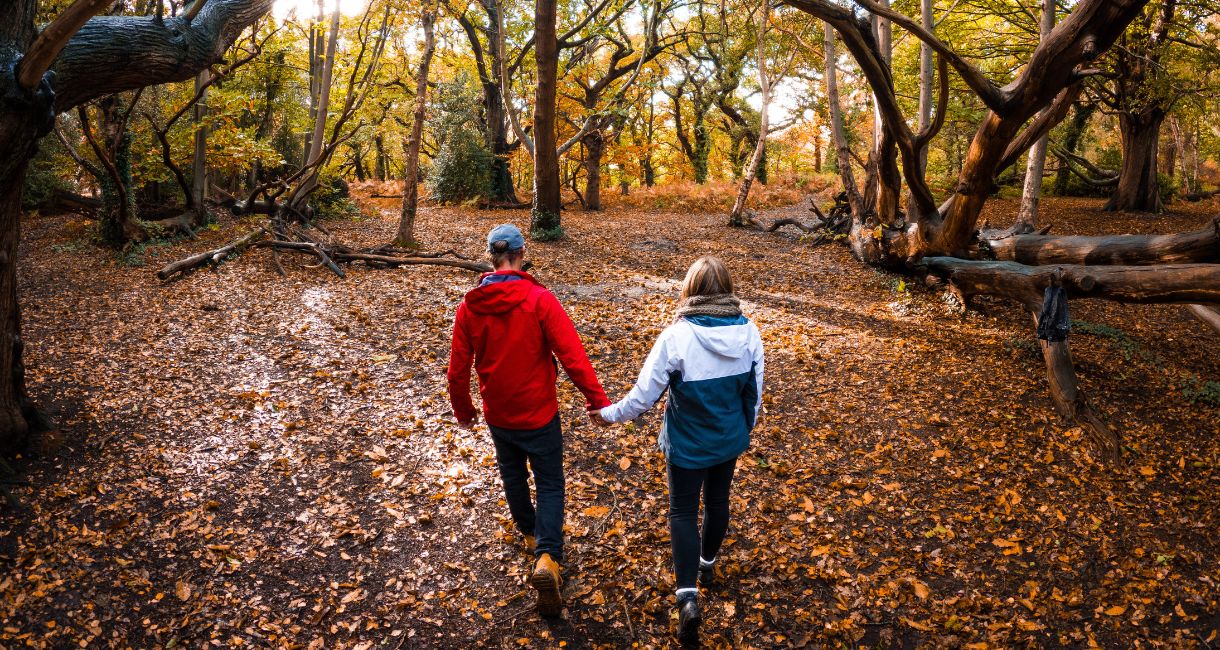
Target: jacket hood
500, 297
726, 337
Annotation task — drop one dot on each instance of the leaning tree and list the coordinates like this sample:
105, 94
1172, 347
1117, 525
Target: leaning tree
943, 239
77, 58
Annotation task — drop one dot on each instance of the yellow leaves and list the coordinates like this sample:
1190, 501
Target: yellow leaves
596, 512
1115, 610
182, 590
624, 463
921, 589
1148, 471
916, 625
940, 453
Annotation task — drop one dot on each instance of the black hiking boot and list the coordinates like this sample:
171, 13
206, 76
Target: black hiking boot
689, 619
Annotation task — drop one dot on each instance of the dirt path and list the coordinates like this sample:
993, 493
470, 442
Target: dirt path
266, 461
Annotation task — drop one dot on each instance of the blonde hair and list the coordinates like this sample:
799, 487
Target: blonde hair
707, 276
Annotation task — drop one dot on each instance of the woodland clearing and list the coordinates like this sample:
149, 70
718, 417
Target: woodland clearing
249, 459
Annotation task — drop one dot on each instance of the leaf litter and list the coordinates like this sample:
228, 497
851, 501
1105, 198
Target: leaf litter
250, 460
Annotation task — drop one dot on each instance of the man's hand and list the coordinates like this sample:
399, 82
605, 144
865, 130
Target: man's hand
595, 416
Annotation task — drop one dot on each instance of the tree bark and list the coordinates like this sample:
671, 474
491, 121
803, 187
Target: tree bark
544, 220
410, 188
1138, 189
1198, 246
1071, 141
318, 134
595, 146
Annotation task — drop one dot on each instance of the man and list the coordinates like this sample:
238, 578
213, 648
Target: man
513, 329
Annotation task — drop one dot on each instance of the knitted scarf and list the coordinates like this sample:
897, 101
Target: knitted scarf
718, 304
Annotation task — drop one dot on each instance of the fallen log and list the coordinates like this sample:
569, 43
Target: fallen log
1167, 283
1197, 246
1208, 315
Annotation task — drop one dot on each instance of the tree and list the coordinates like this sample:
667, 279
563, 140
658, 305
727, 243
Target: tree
544, 218
1027, 216
410, 188
75, 59
943, 239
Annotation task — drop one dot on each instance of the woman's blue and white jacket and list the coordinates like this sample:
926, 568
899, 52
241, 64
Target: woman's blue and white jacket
713, 368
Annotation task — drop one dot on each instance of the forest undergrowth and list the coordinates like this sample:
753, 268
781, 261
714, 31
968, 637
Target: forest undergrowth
249, 459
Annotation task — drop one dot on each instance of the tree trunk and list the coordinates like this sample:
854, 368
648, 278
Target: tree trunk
544, 220
318, 136
1138, 189
595, 146
837, 131
380, 164
410, 188
1027, 215
112, 145
764, 124
199, 166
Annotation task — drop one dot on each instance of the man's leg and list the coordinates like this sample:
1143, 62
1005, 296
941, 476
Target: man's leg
511, 460
546, 462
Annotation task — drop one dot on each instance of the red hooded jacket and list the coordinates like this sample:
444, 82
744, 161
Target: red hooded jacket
513, 331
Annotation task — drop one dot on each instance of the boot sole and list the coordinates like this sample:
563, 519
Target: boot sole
549, 602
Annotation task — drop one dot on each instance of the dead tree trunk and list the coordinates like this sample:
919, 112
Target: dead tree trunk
410, 188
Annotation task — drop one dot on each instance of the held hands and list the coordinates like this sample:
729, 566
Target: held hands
595, 416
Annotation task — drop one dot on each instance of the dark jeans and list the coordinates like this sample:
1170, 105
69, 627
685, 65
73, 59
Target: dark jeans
688, 544
543, 448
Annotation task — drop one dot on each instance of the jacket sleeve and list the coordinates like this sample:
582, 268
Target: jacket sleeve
461, 356
566, 345
759, 365
651, 385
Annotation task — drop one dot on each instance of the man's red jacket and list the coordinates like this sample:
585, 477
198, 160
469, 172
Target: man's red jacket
513, 330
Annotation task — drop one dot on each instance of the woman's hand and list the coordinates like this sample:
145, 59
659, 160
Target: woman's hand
595, 416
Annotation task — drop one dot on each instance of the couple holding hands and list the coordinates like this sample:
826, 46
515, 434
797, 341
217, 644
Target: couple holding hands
710, 359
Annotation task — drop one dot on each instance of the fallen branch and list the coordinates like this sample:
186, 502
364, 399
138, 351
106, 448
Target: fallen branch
1208, 315
213, 257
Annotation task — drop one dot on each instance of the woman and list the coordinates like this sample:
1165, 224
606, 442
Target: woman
711, 361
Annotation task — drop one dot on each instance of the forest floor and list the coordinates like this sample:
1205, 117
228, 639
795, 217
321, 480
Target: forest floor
254, 460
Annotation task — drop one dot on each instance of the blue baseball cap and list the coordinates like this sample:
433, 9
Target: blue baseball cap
506, 232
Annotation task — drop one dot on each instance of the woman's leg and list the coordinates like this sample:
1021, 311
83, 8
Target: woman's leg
684, 487
716, 507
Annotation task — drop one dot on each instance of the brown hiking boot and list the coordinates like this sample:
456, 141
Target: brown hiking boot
531, 544
546, 580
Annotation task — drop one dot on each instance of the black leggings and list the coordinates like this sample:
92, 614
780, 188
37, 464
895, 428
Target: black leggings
688, 544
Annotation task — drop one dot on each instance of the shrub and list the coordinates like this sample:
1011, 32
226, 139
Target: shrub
461, 170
